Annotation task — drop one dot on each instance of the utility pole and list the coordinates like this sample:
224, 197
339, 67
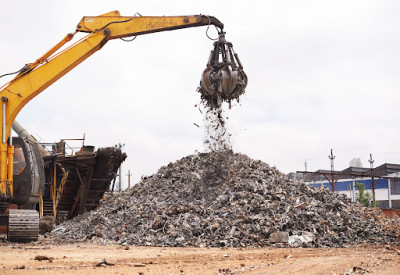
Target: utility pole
371, 164
129, 178
303, 176
120, 179
332, 157
120, 146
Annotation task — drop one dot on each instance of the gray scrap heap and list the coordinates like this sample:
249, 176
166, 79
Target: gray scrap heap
226, 199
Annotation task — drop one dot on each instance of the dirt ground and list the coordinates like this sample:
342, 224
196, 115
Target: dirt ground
92, 259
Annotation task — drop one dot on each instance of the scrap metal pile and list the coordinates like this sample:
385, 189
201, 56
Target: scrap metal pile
226, 199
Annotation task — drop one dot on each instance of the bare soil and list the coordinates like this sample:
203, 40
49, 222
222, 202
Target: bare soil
92, 259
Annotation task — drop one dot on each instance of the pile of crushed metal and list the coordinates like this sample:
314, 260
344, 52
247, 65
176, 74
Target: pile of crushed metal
226, 199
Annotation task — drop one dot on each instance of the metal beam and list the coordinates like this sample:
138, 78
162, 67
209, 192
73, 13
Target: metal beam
89, 175
78, 196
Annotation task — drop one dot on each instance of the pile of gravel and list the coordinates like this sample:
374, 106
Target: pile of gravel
226, 199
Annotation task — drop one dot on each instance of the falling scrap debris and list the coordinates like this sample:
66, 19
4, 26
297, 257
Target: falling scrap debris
217, 136
226, 199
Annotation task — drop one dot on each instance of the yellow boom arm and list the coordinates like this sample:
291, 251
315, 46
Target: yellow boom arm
37, 76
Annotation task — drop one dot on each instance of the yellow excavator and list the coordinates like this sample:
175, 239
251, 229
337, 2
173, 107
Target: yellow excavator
223, 79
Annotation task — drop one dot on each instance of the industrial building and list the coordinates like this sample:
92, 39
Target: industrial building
383, 180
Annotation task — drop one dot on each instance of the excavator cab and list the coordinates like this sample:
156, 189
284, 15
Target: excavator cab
28, 170
224, 78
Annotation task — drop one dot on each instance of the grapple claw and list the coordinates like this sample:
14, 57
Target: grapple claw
224, 78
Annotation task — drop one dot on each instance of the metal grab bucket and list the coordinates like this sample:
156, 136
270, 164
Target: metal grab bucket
224, 78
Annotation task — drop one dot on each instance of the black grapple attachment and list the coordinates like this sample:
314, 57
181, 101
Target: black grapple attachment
224, 78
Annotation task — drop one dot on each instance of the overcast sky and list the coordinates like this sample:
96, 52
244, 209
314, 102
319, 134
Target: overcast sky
322, 75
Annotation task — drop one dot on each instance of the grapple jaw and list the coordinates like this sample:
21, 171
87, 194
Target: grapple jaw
224, 78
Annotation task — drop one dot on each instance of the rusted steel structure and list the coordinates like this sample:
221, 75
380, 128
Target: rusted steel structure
78, 182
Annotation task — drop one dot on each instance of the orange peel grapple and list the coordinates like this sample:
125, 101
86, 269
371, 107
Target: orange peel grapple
224, 79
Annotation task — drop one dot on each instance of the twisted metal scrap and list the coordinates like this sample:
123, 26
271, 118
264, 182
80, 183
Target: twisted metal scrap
224, 78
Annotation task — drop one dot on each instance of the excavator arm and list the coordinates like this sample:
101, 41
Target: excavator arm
122, 26
37, 76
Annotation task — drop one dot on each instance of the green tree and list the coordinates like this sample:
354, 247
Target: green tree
363, 197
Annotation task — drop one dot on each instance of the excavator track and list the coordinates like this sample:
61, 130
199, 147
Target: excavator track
23, 225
